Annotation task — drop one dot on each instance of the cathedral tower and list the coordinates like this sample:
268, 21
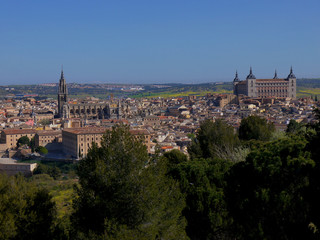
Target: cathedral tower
62, 94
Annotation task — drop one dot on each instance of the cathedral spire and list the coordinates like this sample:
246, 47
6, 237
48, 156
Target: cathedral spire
62, 76
275, 74
62, 94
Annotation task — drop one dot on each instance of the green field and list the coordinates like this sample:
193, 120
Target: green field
304, 92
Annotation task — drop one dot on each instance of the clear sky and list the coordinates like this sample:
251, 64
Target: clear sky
157, 41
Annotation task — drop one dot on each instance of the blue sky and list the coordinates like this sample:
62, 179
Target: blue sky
156, 41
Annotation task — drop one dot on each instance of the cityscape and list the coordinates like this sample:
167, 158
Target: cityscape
167, 120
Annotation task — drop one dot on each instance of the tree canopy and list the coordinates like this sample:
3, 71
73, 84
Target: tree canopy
24, 140
266, 193
211, 138
256, 128
123, 192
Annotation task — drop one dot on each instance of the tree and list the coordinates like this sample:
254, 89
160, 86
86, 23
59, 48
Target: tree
266, 194
123, 193
255, 127
294, 127
202, 181
26, 212
213, 137
42, 150
32, 144
24, 140
52, 171
175, 157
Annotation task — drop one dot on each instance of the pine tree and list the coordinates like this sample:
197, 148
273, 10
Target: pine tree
123, 193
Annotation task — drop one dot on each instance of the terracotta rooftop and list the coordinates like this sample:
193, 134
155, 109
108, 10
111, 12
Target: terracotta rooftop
271, 80
89, 130
49, 132
19, 131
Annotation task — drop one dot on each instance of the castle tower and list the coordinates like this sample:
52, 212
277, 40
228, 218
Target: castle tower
292, 84
275, 75
62, 94
236, 80
251, 84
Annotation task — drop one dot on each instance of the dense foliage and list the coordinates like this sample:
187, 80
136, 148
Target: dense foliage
262, 187
124, 193
26, 212
255, 128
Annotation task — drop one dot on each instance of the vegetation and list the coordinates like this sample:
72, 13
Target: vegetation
24, 140
255, 128
263, 186
26, 212
42, 150
212, 139
123, 193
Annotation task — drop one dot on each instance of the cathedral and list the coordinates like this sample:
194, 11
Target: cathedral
84, 110
263, 88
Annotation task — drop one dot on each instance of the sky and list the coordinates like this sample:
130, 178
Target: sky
157, 41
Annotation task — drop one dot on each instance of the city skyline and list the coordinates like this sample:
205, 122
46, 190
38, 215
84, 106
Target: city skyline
153, 42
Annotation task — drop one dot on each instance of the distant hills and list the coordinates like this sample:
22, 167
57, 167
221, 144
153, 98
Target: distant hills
306, 87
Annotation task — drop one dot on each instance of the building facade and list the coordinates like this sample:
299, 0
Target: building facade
77, 142
10, 137
264, 88
85, 110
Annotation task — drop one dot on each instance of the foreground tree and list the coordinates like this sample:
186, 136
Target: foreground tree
26, 212
255, 128
212, 139
123, 194
266, 194
202, 181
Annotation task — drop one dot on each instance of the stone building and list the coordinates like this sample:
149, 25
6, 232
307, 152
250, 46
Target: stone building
52, 139
263, 88
11, 136
12, 167
85, 110
77, 142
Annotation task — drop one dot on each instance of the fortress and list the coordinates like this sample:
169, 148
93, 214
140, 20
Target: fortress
263, 88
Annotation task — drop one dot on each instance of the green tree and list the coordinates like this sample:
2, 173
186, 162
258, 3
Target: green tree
26, 212
42, 150
202, 181
52, 171
32, 144
122, 194
213, 138
255, 128
266, 194
294, 127
24, 140
174, 157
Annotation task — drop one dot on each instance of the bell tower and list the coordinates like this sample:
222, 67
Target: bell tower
62, 94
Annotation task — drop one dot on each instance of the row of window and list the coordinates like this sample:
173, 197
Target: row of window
272, 84
276, 90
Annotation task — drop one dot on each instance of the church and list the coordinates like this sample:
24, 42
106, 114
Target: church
266, 88
84, 110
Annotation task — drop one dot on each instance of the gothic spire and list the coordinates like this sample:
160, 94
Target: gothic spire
62, 76
275, 74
